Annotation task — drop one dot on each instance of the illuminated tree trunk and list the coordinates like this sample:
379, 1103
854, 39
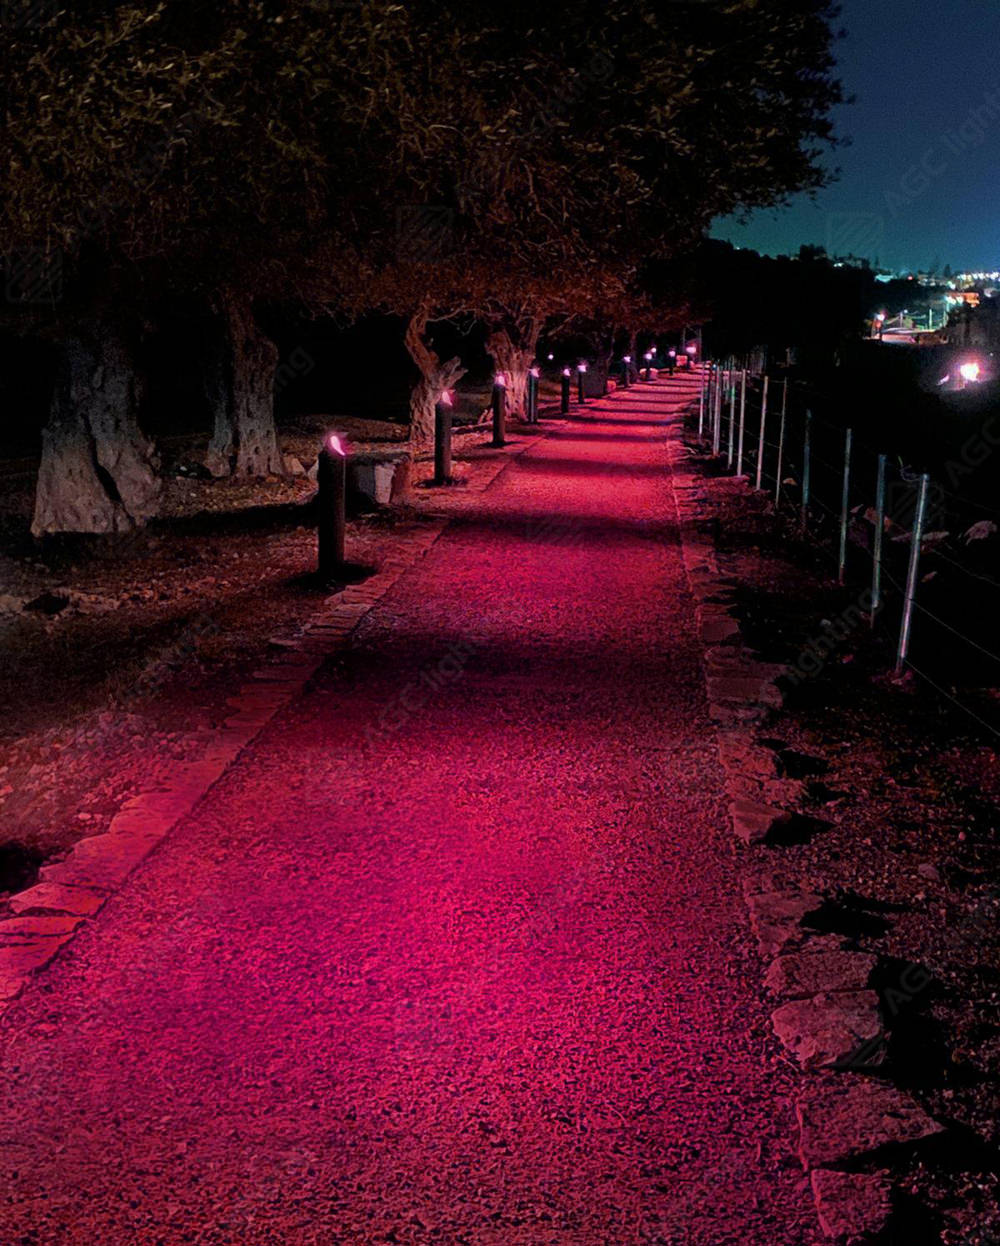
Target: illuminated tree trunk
435, 378
513, 359
98, 470
241, 394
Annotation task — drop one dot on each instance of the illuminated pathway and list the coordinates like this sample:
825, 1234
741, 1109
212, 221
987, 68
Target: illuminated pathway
456, 952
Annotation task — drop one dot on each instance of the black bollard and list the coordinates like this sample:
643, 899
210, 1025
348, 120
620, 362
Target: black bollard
442, 440
564, 407
581, 368
671, 361
331, 478
533, 375
649, 365
626, 361
499, 410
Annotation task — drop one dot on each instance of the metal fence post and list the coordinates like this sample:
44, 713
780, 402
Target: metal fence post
806, 469
701, 408
760, 439
916, 540
743, 422
879, 538
845, 502
781, 444
732, 422
717, 412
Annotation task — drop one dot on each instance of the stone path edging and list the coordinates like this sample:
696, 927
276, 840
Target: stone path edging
46, 916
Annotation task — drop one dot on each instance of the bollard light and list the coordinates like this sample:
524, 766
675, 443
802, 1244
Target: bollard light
626, 366
581, 368
564, 404
671, 360
499, 410
649, 364
331, 479
442, 438
533, 377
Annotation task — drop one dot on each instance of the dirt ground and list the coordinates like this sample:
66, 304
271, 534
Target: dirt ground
901, 825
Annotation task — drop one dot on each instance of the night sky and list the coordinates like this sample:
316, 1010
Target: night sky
921, 179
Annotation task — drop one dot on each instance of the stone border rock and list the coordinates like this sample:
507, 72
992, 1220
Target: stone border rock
827, 1016
45, 917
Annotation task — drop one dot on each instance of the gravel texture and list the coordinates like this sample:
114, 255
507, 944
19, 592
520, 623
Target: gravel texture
457, 952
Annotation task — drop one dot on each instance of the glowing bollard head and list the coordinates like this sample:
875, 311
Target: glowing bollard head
971, 372
335, 444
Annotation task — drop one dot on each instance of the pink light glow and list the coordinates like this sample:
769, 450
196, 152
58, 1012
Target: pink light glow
672, 354
500, 379
628, 358
536, 373
692, 349
971, 372
336, 446
566, 372
581, 367
446, 399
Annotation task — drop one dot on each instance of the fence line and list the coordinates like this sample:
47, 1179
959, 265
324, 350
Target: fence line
746, 387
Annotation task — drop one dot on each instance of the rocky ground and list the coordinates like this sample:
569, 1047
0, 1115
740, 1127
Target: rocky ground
894, 791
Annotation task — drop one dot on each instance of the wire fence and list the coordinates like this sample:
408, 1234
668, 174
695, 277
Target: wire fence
926, 555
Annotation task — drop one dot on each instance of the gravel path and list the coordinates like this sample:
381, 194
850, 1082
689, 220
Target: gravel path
456, 952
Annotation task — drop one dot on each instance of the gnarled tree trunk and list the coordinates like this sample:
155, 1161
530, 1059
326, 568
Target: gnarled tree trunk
513, 359
435, 378
98, 470
241, 392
